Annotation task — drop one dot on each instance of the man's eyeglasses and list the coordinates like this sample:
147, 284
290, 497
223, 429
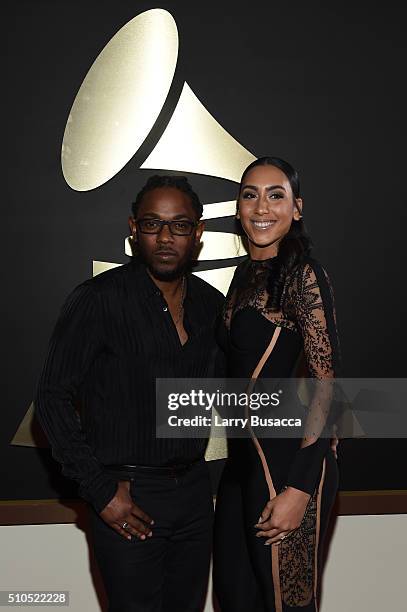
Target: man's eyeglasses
176, 227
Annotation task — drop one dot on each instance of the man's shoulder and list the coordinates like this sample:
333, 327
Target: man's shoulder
206, 290
108, 280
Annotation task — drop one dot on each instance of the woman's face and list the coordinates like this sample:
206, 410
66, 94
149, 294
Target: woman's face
266, 208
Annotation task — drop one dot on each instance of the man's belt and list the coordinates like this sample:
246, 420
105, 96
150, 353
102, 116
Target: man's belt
159, 470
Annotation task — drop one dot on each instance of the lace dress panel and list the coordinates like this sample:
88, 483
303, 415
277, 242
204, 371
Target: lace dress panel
249, 289
297, 559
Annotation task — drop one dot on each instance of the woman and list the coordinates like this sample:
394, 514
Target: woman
279, 307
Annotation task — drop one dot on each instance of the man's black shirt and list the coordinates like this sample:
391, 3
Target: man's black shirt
114, 337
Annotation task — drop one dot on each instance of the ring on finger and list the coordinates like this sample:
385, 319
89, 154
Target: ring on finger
125, 524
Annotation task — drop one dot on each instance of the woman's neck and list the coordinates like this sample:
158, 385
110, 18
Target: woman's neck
262, 253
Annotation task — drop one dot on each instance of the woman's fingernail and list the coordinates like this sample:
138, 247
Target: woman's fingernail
267, 543
260, 519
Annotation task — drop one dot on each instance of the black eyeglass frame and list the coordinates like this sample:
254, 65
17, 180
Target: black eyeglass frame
162, 222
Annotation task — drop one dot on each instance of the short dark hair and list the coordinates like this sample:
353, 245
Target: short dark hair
166, 180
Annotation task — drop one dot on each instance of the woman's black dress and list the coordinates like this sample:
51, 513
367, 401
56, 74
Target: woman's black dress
249, 576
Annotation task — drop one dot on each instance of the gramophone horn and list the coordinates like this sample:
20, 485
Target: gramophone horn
193, 141
120, 100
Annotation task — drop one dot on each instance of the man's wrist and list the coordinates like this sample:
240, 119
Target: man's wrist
100, 491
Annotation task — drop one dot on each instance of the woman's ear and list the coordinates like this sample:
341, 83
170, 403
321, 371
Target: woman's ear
298, 209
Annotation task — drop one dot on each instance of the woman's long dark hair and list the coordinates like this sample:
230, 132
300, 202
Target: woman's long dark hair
295, 246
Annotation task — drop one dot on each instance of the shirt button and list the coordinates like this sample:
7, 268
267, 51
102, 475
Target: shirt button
165, 308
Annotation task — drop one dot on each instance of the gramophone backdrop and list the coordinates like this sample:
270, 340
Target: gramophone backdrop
127, 89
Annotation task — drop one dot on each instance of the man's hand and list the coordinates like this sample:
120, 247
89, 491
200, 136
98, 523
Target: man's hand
122, 509
282, 514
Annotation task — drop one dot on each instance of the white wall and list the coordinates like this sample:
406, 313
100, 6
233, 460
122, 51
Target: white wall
365, 570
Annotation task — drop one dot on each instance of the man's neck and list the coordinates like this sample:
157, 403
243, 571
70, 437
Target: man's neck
169, 288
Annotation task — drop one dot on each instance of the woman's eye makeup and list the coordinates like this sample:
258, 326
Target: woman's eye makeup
276, 195
273, 195
248, 194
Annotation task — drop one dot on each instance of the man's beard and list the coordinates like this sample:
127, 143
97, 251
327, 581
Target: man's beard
164, 274
169, 275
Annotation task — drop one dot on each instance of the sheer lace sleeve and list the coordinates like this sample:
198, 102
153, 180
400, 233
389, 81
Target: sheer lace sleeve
311, 299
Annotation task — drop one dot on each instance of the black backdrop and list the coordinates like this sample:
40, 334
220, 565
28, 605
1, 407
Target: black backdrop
321, 84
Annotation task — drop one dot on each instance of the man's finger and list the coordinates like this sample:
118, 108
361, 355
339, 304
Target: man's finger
140, 514
135, 528
140, 527
121, 531
136, 510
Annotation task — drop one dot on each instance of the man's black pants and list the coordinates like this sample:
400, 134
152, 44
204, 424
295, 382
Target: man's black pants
167, 572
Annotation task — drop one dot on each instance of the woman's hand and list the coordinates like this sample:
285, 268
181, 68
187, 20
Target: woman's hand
334, 442
282, 514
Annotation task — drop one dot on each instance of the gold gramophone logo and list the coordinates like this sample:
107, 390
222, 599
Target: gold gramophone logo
115, 111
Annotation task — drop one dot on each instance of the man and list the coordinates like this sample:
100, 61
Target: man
151, 502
